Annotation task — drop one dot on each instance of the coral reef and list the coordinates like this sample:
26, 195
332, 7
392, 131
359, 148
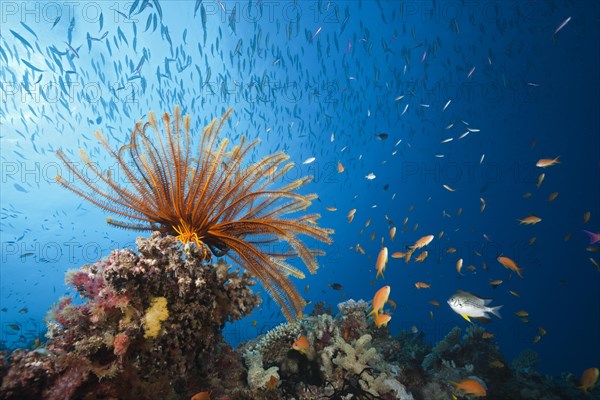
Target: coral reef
342, 362
147, 321
258, 377
354, 360
150, 328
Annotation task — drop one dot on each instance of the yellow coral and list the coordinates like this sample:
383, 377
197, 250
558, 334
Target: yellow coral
155, 315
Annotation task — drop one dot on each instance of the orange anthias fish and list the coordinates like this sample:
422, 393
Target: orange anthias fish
510, 264
419, 244
472, 386
392, 233
201, 396
398, 254
496, 282
359, 249
379, 300
382, 320
301, 345
434, 303
424, 241
547, 162
422, 256
589, 379
351, 215
422, 285
531, 220
382, 260
539, 181
521, 313
459, 264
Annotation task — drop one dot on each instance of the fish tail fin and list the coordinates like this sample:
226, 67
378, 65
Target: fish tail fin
496, 311
557, 160
594, 237
373, 312
520, 272
380, 272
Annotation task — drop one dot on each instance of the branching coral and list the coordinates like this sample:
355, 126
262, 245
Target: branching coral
338, 366
357, 359
208, 197
258, 377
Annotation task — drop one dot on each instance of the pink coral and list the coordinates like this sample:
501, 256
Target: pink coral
121, 344
86, 283
63, 311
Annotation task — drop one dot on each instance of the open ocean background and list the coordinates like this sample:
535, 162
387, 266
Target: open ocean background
324, 79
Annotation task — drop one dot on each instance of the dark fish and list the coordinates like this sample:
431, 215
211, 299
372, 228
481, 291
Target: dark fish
133, 7
70, 30
14, 327
20, 188
336, 286
21, 39
149, 22
158, 9
382, 136
33, 67
73, 50
58, 19
23, 310
29, 29
3, 53
197, 6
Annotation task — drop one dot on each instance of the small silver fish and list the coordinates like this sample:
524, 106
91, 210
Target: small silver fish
467, 305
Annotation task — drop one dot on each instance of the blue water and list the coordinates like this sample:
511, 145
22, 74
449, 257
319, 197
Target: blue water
531, 95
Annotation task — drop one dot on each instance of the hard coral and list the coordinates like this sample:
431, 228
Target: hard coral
100, 346
337, 365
